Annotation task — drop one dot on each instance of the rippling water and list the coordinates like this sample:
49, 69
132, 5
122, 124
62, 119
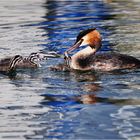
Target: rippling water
42, 104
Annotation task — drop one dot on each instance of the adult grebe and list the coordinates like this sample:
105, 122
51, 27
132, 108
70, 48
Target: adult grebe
88, 59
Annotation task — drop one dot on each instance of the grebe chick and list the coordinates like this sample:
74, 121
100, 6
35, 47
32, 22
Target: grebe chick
88, 59
8, 65
33, 60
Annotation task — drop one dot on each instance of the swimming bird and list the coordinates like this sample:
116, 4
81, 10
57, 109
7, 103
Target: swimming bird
33, 60
89, 59
8, 65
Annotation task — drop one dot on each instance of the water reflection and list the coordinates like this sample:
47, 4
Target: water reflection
85, 76
60, 100
92, 99
42, 104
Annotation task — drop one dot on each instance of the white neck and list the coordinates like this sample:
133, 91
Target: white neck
84, 52
81, 54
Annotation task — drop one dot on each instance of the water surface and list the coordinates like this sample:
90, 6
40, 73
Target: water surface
43, 104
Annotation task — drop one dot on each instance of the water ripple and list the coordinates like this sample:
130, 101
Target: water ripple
42, 104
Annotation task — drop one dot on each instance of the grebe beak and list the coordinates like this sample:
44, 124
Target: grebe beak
75, 46
51, 54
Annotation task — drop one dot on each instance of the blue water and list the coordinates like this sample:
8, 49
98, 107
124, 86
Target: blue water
43, 104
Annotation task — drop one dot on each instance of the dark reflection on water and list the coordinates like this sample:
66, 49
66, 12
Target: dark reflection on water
63, 100
43, 104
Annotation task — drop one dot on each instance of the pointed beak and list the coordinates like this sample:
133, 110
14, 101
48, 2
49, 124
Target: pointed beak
49, 55
75, 46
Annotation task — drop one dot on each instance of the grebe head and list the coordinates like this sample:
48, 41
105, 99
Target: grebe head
89, 37
35, 57
38, 56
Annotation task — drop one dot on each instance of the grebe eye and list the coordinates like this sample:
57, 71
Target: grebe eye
93, 47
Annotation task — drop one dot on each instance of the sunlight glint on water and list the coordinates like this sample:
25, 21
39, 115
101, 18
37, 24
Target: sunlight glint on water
43, 104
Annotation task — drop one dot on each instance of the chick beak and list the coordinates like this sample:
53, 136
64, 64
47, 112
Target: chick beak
45, 56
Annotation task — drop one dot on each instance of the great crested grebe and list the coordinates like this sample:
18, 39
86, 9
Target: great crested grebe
88, 59
9, 64
32, 61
